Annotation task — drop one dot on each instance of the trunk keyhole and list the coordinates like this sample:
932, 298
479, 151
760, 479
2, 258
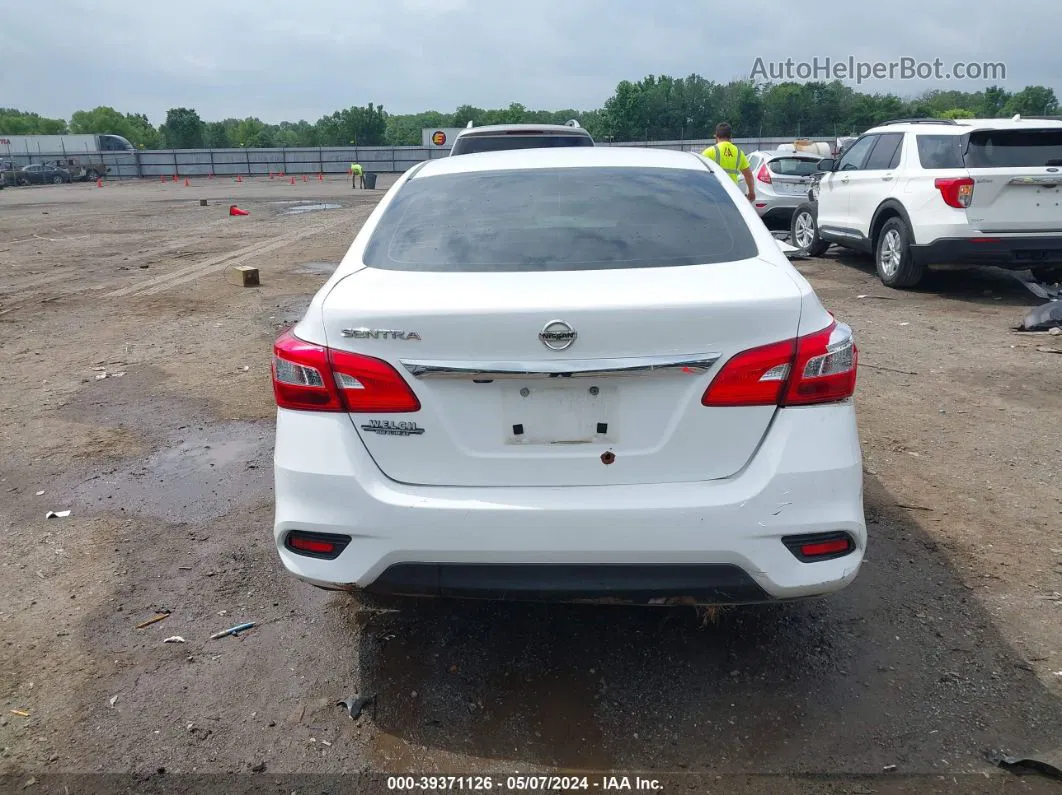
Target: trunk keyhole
608, 457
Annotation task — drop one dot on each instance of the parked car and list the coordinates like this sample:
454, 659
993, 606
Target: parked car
494, 138
923, 192
41, 173
783, 179
575, 374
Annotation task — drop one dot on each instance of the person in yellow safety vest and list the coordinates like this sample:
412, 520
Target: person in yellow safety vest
731, 159
356, 173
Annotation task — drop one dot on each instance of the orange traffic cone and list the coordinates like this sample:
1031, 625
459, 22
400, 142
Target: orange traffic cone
239, 178
162, 179
99, 183
320, 177
187, 183
234, 210
305, 178
293, 180
271, 175
174, 177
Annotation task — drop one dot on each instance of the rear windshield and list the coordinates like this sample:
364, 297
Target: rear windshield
794, 167
470, 144
1014, 149
940, 151
564, 219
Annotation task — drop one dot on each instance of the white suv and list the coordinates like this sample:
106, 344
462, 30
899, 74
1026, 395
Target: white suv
922, 192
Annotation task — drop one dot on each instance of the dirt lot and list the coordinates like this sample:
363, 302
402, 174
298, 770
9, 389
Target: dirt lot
948, 644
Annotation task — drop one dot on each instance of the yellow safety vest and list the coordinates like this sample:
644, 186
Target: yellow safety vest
731, 159
355, 169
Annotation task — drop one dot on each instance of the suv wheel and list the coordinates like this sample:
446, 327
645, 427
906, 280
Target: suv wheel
892, 256
805, 231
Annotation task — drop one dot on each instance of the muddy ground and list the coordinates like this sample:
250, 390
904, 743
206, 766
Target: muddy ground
947, 645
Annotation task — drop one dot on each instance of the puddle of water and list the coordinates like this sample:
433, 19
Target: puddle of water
323, 268
201, 475
311, 208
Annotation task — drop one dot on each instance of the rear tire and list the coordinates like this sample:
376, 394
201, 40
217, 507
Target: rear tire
892, 256
1048, 274
58, 180
804, 231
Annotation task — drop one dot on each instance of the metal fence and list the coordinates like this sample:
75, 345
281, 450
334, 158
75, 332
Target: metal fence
314, 160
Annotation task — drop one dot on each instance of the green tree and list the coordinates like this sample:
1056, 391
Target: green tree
993, 101
253, 134
183, 129
957, 113
1032, 101
134, 127
17, 122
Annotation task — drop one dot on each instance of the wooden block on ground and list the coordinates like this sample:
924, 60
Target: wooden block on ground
243, 276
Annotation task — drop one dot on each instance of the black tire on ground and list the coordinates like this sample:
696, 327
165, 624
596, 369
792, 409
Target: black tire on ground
1048, 274
892, 256
58, 179
91, 176
804, 230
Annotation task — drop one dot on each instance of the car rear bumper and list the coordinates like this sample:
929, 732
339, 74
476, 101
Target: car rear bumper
709, 542
1007, 252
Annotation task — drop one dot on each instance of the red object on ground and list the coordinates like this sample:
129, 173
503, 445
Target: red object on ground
99, 183
234, 210
174, 177
239, 178
293, 180
187, 183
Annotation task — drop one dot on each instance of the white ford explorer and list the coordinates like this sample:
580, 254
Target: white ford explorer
581, 374
922, 192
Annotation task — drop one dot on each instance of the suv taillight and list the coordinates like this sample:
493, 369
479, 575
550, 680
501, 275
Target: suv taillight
956, 191
310, 377
816, 368
763, 175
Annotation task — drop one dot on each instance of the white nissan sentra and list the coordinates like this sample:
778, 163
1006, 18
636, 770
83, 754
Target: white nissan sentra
578, 374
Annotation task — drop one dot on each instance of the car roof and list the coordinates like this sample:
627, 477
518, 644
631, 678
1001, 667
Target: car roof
501, 129
964, 126
563, 157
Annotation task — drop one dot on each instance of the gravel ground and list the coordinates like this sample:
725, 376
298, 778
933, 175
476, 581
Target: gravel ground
946, 646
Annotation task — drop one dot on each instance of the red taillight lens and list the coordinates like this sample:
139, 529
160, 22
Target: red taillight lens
755, 377
817, 368
763, 175
956, 191
825, 368
311, 377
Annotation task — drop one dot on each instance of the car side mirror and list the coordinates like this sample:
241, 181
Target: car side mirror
826, 165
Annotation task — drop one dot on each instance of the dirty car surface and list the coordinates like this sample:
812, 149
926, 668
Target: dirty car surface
623, 392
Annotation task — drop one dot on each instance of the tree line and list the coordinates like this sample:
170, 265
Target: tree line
655, 108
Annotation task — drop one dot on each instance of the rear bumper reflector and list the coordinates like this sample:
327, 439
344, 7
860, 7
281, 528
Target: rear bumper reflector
820, 546
325, 546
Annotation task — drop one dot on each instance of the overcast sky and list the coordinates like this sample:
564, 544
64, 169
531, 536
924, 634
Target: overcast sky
293, 59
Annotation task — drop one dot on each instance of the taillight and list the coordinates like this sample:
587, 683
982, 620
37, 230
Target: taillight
763, 175
825, 368
310, 377
956, 191
817, 368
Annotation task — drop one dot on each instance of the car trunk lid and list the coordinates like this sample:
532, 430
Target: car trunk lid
506, 401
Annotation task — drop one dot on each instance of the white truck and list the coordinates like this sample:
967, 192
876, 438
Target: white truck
81, 155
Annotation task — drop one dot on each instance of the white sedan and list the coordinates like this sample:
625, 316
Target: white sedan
581, 374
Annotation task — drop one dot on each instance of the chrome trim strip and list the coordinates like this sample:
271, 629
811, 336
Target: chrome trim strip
1049, 182
580, 368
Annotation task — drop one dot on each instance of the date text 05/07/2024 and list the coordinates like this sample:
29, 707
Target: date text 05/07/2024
518, 783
